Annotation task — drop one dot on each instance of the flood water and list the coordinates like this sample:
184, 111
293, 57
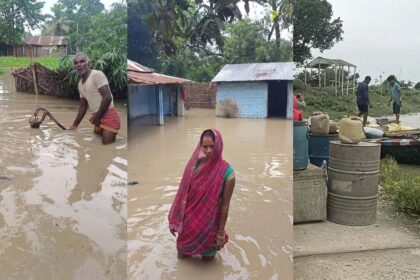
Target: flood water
412, 120
62, 194
260, 215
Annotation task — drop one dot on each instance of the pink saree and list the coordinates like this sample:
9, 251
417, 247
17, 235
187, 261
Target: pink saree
195, 212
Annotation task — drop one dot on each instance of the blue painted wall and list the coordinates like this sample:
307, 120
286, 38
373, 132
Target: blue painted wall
142, 100
251, 97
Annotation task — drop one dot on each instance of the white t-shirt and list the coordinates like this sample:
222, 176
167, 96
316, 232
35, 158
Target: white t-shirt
89, 90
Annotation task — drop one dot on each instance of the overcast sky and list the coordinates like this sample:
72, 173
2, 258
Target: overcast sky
379, 36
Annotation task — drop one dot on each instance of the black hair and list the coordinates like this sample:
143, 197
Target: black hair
208, 133
368, 78
297, 95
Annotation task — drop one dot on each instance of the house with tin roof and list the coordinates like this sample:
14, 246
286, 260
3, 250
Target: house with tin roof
153, 94
256, 90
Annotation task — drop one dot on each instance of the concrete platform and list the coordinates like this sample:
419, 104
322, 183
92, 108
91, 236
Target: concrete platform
389, 249
370, 265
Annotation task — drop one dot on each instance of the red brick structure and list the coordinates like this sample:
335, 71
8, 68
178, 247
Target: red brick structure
201, 95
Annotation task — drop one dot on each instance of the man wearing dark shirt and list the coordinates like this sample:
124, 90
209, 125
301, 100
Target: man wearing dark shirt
363, 99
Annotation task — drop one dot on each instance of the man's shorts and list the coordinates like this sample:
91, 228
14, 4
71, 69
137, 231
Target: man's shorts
363, 108
396, 107
110, 121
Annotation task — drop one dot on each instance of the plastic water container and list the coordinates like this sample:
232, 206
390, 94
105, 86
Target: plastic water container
351, 130
300, 146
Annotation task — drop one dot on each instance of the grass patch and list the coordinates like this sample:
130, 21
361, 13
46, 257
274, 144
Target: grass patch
20, 62
339, 106
400, 188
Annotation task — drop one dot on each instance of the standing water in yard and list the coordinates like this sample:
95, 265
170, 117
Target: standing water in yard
260, 215
62, 193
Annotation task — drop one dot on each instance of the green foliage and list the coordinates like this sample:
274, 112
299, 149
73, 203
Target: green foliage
200, 22
141, 47
15, 15
298, 84
417, 86
108, 32
402, 189
245, 43
114, 66
325, 100
20, 62
313, 28
57, 24
193, 40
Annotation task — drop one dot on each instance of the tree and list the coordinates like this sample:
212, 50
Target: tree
417, 86
245, 43
79, 15
140, 44
281, 16
313, 28
15, 15
57, 24
108, 32
201, 22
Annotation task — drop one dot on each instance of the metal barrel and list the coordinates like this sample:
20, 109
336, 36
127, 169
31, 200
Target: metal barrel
300, 146
319, 148
353, 179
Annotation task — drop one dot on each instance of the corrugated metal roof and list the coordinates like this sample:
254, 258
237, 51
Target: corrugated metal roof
137, 67
139, 74
325, 62
46, 40
255, 72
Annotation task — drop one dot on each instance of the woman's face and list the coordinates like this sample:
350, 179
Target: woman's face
207, 146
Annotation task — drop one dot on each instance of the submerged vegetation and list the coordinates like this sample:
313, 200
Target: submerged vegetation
400, 188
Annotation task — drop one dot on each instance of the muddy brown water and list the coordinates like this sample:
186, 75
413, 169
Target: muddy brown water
62, 193
260, 217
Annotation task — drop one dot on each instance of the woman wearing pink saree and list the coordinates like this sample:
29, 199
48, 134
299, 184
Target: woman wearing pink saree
200, 209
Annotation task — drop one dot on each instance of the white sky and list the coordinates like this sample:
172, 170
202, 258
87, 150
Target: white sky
379, 36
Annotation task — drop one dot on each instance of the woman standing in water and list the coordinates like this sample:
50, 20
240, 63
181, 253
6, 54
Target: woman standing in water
200, 209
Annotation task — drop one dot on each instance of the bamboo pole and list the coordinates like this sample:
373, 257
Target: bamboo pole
348, 75
354, 79
319, 75
342, 80
335, 79
31, 81
33, 70
325, 77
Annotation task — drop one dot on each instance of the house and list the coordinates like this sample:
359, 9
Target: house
37, 46
257, 90
151, 93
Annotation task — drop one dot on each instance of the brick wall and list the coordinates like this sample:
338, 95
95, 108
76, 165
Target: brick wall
201, 95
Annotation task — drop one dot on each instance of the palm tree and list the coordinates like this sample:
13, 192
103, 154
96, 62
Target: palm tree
57, 24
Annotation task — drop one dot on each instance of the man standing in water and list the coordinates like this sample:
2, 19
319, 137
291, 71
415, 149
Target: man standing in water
363, 102
95, 93
395, 97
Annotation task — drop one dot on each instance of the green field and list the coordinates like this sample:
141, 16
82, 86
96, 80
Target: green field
338, 106
19, 62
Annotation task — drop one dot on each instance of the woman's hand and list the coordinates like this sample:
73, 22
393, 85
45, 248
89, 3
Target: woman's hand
220, 243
